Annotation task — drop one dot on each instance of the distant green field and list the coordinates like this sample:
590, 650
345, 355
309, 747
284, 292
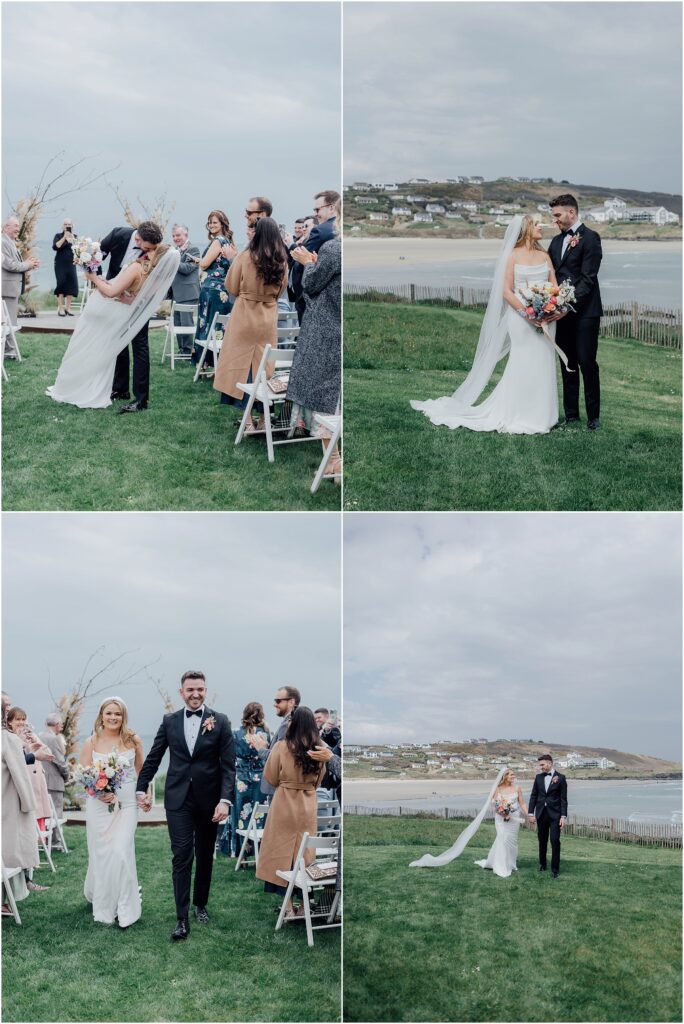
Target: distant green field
395, 459
600, 943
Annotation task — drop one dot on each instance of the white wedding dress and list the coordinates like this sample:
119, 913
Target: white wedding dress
525, 401
502, 858
104, 329
111, 883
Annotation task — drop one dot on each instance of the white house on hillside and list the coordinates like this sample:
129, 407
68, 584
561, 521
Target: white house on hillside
422, 218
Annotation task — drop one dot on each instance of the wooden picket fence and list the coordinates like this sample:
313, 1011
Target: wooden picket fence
618, 830
648, 324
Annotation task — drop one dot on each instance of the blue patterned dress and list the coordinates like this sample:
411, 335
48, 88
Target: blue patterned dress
213, 298
249, 768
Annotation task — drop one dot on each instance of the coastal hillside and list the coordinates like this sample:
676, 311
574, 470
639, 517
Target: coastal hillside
475, 758
481, 209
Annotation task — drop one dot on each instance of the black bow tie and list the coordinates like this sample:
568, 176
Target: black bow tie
547, 774
569, 232
189, 713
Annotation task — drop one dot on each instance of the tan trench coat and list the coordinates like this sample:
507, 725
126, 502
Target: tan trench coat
19, 839
253, 324
294, 811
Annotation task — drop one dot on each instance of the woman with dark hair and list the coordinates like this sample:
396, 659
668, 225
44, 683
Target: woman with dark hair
294, 808
257, 277
249, 768
214, 262
66, 287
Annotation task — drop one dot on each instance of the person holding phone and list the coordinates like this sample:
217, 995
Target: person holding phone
66, 287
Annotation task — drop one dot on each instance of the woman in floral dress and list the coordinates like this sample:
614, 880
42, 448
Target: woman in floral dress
249, 769
215, 261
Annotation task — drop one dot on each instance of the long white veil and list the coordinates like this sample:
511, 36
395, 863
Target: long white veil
147, 300
493, 343
429, 861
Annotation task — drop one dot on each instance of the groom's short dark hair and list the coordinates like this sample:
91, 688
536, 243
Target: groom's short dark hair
545, 757
150, 232
192, 675
565, 200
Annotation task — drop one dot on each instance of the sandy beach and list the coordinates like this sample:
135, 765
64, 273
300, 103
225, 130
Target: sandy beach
367, 790
360, 253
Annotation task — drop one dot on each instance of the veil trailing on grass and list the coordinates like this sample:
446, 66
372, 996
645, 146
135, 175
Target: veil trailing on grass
428, 861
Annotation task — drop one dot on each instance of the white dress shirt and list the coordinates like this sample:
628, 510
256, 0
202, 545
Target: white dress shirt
191, 727
547, 781
132, 252
566, 238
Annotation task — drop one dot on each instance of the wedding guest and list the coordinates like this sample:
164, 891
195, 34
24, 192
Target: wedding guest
56, 772
66, 287
19, 840
185, 287
316, 374
302, 230
13, 271
328, 730
257, 208
249, 769
257, 277
294, 809
18, 723
215, 262
285, 702
325, 228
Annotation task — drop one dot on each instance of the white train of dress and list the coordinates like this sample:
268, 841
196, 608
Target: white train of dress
111, 883
502, 858
525, 401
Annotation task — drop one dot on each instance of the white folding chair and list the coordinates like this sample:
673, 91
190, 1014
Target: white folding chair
253, 834
45, 844
55, 825
287, 336
8, 873
83, 295
173, 332
9, 331
212, 343
297, 878
334, 425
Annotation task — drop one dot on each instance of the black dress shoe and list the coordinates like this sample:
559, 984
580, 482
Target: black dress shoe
181, 931
201, 915
569, 420
116, 395
542, 867
555, 874
133, 407
594, 424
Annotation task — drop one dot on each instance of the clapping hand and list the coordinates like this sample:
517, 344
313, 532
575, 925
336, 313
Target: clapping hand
42, 753
229, 251
303, 256
258, 740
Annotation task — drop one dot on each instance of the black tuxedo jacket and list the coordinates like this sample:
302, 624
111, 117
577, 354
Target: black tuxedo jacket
555, 801
210, 769
114, 245
580, 266
320, 234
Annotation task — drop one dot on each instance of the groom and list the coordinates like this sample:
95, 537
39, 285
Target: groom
576, 256
123, 246
548, 806
198, 792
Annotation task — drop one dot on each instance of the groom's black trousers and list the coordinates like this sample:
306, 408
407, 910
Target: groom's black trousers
545, 826
141, 368
577, 336
192, 832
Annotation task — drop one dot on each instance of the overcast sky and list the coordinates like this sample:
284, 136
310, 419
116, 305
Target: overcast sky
210, 103
561, 627
589, 92
253, 600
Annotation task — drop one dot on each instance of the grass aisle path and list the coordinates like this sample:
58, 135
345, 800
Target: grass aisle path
180, 454
600, 943
60, 965
396, 459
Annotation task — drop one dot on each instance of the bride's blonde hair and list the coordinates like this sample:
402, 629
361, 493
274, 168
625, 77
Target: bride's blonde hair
126, 733
525, 238
148, 265
505, 779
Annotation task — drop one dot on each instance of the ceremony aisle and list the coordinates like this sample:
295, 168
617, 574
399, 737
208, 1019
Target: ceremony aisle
397, 460
177, 455
60, 965
600, 943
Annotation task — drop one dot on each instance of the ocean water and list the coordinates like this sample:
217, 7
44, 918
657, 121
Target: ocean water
653, 278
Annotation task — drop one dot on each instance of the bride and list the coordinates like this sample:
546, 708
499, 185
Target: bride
525, 401
503, 855
115, 312
111, 883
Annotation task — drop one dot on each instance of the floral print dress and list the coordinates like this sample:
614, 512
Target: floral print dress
213, 299
249, 768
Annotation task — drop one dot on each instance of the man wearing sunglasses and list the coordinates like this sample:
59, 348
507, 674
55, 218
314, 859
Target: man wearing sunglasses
324, 230
287, 698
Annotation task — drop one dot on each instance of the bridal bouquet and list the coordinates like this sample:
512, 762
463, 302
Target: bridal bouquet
104, 776
87, 254
542, 299
504, 808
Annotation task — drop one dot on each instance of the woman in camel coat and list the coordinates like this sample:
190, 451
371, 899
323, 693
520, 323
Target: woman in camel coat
257, 277
294, 808
19, 842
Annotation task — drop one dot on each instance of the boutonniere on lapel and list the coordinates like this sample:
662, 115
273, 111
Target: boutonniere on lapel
208, 724
575, 240
554, 779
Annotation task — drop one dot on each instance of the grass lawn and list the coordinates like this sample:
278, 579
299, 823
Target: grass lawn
600, 943
179, 455
61, 965
395, 459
